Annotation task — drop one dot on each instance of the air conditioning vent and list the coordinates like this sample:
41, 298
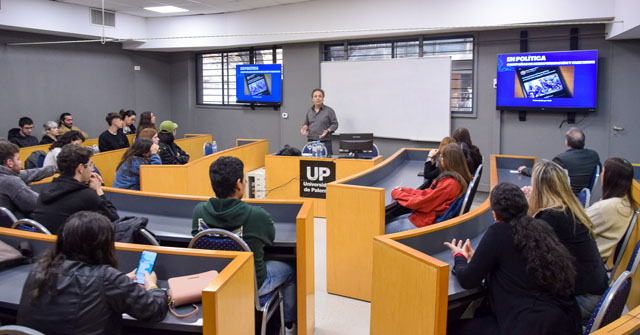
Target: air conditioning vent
96, 17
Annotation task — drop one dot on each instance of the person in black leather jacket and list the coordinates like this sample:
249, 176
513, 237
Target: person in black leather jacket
170, 152
75, 287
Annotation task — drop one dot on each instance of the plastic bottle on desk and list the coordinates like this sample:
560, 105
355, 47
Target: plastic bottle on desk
214, 146
315, 149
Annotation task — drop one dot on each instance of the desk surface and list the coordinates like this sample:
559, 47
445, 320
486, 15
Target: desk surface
405, 175
506, 175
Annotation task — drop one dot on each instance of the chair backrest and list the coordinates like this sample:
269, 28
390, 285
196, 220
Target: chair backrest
594, 177
471, 191
220, 239
7, 219
611, 304
622, 245
452, 211
207, 148
30, 225
18, 330
634, 260
584, 197
145, 237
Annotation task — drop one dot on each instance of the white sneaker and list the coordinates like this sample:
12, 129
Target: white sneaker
291, 331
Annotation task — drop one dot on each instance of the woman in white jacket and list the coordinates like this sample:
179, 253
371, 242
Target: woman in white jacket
611, 215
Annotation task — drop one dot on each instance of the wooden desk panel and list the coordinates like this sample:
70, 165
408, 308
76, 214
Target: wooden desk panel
231, 293
283, 176
193, 177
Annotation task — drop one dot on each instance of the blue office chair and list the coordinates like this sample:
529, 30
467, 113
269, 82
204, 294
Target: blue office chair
622, 245
18, 330
30, 225
471, 191
634, 260
611, 304
308, 151
220, 239
594, 177
584, 197
452, 211
207, 148
7, 219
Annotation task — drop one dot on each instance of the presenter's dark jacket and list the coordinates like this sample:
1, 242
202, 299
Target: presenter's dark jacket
20, 140
580, 163
258, 229
592, 276
107, 141
517, 303
324, 119
90, 299
65, 196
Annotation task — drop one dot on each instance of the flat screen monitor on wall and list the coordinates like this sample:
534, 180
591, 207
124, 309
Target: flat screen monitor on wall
259, 83
562, 81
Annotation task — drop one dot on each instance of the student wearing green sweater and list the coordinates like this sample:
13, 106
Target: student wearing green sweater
227, 211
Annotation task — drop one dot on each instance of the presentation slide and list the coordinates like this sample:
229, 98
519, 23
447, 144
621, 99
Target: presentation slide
564, 80
259, 83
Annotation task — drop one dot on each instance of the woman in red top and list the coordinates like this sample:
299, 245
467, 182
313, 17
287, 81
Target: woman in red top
429, 204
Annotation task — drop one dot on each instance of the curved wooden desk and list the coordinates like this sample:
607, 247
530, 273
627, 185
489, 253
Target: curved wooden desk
193, 178
355, 214
170, 220
411, 268
227, 302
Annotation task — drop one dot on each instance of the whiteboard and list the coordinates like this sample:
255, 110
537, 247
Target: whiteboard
405, 98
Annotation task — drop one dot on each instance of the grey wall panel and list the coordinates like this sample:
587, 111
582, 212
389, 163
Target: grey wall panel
87, 80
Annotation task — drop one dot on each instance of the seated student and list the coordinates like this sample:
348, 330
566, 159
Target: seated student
580, 162
227, 211
66, 124
77, 189
129, 118
149, 133
431, 170
528, 272
71, 137
22, 136
51, 132
611, 215
471, 152
76, 288
143, 151
428, 204
551, 200
170, 152
113, 138
15, 195
147, 120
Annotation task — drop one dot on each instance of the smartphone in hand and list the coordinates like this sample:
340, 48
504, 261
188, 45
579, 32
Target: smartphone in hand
147, 260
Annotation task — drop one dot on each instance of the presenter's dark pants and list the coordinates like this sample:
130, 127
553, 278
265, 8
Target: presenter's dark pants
327, 144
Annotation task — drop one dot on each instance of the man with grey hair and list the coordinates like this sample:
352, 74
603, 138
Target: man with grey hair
580, 162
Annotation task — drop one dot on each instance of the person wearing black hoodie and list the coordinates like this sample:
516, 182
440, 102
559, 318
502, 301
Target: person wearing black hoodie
170, 152
227, 211
77, 189
22, 136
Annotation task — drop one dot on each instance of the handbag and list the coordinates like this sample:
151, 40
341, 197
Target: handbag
9, 256
188, 290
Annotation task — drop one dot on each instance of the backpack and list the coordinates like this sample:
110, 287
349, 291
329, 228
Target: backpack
289, 151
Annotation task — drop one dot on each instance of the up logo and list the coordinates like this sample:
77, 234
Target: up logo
317, 173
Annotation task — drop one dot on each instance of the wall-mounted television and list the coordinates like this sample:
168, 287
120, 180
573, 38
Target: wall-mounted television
259, 84
559, 81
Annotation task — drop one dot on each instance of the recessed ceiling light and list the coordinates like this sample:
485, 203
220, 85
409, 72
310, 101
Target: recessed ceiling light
166, 9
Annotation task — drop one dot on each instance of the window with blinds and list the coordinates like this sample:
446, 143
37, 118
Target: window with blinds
216, 72
460, 50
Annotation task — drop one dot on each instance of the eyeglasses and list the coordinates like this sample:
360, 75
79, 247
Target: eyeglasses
90, 164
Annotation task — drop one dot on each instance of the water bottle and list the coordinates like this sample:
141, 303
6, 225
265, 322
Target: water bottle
315, 149
214, 146
96, 149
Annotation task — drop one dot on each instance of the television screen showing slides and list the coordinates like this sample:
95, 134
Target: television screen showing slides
548, 81
259, 83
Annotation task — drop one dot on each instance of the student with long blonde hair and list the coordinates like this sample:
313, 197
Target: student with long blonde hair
429, 204
552, 200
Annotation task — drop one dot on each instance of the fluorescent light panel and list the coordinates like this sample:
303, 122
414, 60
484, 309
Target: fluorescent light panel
166, 9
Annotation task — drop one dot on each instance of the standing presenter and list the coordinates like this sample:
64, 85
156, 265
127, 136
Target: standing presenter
320, 121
